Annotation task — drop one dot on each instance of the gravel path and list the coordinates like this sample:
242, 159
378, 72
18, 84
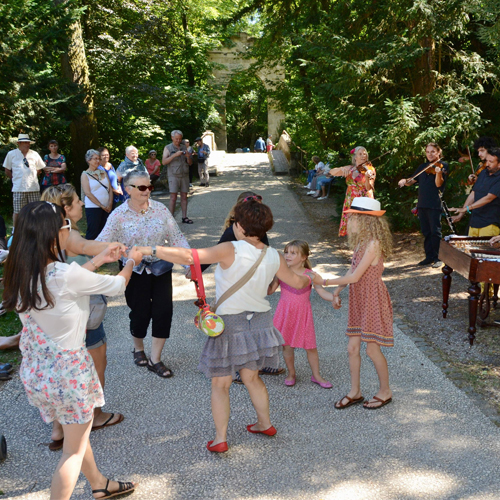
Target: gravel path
430, 443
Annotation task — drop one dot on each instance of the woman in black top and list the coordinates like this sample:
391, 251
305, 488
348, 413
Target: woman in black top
429, 203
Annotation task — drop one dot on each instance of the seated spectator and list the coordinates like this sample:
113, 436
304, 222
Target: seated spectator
153, 166
319, 165
260, 145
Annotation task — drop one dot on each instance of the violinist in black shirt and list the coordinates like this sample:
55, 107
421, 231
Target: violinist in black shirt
431, 177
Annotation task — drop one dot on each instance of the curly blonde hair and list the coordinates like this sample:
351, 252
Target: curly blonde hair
230, 216
371, 228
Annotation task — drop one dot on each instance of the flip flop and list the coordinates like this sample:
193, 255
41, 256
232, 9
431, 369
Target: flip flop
381, 401
350, 402
108, 424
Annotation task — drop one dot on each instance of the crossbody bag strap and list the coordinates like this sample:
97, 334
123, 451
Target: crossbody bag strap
242, 281
105, 187
196, 275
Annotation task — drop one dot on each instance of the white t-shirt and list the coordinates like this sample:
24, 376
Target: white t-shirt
24, 179
98, 190
252, 296
70, 287
319, 166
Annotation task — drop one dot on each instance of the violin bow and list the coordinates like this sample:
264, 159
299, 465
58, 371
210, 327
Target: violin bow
470, 159
377, 158
423, 170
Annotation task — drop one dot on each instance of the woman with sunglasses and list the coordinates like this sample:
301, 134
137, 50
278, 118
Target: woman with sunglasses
78, 250
143, 221
52, 299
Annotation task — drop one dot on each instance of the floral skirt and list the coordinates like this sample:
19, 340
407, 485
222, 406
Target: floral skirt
61, 383
249, 341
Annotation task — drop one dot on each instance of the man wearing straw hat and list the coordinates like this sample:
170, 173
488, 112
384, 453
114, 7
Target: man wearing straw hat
22, 166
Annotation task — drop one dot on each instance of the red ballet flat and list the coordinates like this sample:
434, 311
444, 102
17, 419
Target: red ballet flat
217, 448
268, 432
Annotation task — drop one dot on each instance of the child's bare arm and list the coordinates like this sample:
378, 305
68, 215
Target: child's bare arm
273, 286
323, 293
371, 253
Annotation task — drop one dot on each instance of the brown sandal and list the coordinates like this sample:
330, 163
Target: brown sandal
140, 358
350, 402
381, 401
160, 369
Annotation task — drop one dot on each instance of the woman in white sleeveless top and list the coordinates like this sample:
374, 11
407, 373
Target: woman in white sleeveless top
249, 341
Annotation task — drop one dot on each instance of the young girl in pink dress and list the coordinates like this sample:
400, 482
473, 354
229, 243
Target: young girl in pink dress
293, 316
370, 308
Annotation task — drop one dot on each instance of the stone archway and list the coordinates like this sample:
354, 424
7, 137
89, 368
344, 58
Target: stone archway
230, 61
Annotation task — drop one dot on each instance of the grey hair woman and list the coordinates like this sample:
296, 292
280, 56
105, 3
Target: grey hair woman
140, 220
97, 194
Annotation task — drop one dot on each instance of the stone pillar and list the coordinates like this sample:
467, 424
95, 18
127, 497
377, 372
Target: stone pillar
274, 118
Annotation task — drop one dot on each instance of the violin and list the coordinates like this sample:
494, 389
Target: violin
481, 167
365, 166
430, 169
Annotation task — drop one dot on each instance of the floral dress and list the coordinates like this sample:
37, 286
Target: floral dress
355, 188
53, 179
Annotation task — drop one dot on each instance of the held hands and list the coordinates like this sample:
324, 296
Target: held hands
135, 254
111, 254
337, 301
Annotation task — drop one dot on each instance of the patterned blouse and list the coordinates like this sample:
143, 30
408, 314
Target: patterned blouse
155, 227
53, 179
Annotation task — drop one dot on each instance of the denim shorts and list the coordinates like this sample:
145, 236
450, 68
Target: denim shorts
95, 338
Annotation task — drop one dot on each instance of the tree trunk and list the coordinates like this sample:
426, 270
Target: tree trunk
189, 66
83, 128
425, 65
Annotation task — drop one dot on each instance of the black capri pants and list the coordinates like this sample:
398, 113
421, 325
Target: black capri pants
149, 297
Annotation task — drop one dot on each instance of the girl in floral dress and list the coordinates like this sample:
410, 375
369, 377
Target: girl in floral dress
52, 299
293, 317
358, 183
370, 308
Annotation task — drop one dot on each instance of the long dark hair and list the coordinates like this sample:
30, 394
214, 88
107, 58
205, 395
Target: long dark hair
35, 243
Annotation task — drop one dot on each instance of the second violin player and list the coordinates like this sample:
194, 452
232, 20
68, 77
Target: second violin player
430, 183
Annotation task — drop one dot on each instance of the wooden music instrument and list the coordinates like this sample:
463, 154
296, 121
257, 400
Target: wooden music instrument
476, 260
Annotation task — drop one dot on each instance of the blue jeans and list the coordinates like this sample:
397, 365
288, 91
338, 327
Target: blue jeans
310, 175
95, 338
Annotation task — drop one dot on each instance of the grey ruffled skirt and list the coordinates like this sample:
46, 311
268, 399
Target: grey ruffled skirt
249, 341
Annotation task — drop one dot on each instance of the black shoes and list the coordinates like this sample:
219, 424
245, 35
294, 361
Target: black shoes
425, 262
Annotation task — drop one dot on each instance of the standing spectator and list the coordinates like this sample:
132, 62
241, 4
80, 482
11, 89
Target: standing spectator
56, 166
269, 143
190, 150
260, 145
153, 166
113, 178
203, 153
178, 159
98, 195
131, 162
22, 165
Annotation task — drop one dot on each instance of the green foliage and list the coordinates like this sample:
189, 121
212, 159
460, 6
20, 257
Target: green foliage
246, 111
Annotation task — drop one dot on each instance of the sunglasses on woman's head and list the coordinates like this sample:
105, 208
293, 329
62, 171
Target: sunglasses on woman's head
67, 226
256, 197
142, 188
